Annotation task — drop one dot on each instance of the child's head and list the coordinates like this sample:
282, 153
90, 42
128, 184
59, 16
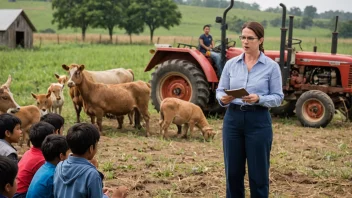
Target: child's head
39, 131
55, 148
8, 172
56, 120
82, 138
10, 128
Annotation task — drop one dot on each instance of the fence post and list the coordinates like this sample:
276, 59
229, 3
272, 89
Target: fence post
100, 39
158, 40
40, 42
58, 39
174, 41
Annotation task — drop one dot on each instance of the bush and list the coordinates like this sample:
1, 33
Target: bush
48, 30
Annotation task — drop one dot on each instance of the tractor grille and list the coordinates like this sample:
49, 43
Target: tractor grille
350, 77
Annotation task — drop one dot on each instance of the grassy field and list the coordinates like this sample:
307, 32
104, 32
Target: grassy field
304, 162
193, 19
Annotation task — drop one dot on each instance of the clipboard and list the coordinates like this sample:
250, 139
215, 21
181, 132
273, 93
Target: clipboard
237, 93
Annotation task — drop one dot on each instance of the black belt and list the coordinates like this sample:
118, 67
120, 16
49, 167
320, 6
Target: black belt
248, 107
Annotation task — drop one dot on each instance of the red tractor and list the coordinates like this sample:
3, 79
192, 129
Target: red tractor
315, 84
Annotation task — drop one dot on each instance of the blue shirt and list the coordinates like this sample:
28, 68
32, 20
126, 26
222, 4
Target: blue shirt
207, 42
263, 79
42, 183
77, 177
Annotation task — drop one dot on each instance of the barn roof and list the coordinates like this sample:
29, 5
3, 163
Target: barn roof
8, 16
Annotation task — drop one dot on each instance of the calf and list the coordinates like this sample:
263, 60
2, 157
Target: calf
179, 112
56, 97
112, 76
116, 99
28, 115
61, 79
44, 102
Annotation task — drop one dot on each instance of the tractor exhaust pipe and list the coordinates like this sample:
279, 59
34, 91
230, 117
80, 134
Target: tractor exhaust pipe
282, 44
334, 38
289, 46
223, 33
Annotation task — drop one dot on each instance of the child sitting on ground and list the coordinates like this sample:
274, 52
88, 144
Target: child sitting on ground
32, 159
76, 176
56, 120
8, 172
54, 149
10, 132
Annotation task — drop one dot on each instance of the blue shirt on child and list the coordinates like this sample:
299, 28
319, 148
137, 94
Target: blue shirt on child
42, 184
207, 39
77, 177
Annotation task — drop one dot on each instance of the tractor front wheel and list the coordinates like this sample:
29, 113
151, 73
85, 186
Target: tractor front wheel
315, 109
179, 79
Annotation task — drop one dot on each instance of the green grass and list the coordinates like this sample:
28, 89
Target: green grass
193, 19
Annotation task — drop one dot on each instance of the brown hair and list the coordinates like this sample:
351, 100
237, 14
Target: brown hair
258, 29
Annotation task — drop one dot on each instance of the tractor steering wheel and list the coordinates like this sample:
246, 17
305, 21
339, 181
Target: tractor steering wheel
217, 48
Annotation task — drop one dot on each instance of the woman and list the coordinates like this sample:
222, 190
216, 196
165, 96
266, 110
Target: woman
247, 129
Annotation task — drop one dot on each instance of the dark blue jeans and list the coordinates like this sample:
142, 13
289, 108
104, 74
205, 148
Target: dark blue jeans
247, 135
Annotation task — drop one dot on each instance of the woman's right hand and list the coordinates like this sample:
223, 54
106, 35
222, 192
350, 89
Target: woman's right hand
226, 99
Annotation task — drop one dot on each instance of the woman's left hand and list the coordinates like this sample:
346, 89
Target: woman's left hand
251, 98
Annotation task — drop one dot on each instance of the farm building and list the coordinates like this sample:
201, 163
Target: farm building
15, 29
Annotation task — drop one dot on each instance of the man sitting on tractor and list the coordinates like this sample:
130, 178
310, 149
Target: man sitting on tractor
206, 43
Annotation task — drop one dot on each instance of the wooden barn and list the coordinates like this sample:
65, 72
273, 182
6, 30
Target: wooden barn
15, 29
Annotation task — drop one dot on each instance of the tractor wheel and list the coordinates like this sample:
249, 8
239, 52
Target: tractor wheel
315, 109
285, 110
179, 79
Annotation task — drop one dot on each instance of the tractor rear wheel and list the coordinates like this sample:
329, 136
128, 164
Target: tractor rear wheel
179, 79
285, 110
315, 109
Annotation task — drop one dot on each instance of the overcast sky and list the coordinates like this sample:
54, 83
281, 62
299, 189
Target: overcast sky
321, 5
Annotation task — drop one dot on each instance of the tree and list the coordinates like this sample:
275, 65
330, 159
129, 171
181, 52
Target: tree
264, 23
310, 11
72, 13
132, 19
296, 11
159, 13
306, 22
274, 10
346, 29
276, 22
106, 14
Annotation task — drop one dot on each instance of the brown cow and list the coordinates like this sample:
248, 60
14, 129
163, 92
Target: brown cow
116, 99
182, 112
44, 102
7, 103
27, 114
112, 76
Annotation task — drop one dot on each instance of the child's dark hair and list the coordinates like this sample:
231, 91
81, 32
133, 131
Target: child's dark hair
206, 26
8, 172
8, 122
39, 131
53, 145
54, 119
81, 136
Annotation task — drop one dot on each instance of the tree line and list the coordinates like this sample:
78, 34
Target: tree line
130, 15
219, 4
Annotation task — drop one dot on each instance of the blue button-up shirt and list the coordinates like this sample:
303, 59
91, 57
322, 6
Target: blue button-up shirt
263, 79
